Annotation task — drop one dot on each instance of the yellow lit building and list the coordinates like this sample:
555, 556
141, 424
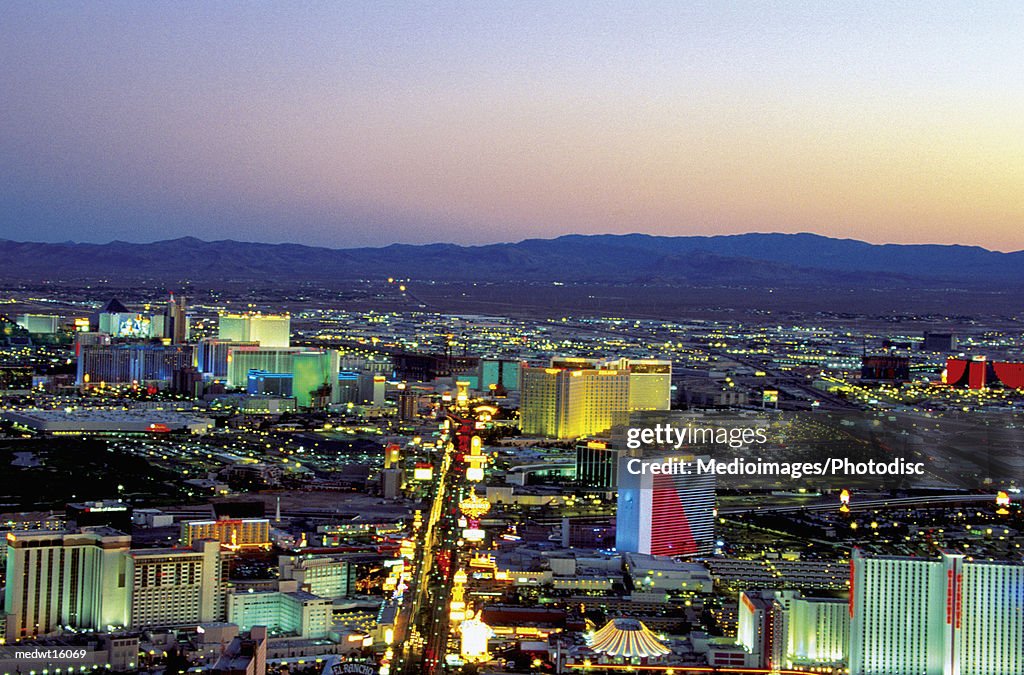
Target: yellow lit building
230, 532
270, 330
569, 403
650, 383
580, 397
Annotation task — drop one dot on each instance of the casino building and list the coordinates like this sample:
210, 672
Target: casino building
979, 373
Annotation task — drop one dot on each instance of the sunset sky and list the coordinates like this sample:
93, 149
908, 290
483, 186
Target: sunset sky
367, 123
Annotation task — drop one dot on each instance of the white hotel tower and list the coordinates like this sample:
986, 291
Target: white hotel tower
951, 616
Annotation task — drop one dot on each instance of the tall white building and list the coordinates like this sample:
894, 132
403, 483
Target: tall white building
664, 514
328, 576
270, 330
285, 610
39, 323
57, 579
817, 630
754, 626
176, 586
211, 355
783, 629
951, 616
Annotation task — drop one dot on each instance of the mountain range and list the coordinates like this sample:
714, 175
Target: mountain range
796, 260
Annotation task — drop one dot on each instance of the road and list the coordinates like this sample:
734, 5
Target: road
424, 612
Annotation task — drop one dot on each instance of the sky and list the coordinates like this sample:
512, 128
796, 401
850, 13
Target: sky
368, 123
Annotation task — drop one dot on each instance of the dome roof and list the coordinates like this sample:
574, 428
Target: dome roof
628, 638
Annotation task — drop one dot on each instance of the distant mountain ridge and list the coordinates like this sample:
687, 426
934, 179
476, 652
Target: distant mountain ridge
743, 259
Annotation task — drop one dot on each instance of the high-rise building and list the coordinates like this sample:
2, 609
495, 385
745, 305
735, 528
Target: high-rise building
885, 368
372, 388
597, 464
286, 610
45, 324
270, 359
892, 629
122, 364
212, 355
566, 401
104, 364
951, 616
650, 383
783, 629
392, 455
941, 342
315, 378
105, 320
270, 330
187, 381
817, 631
408, 403
577, 396
664, 514
58, 579
89, 338
499, 375
159, 362
176, 586
392, 481
980, 373
755, 630
328, 576
348, 387
234, 533
176, 321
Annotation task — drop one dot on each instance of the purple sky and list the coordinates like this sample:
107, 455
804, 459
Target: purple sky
350, 124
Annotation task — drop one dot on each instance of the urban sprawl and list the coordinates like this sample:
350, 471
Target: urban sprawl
201, 481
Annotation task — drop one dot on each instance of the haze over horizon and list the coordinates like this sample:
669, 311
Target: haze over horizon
365, 125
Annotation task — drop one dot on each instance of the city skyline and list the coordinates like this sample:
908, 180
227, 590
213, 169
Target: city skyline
369, 125
244, 476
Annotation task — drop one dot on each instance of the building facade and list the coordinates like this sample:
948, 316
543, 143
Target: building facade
57, 579
315, 378
212, 355
233, 533
269, 330
951, 616
175, 586
665, 514
328, 576
270, 359
568, 403
290, 612
123, 364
